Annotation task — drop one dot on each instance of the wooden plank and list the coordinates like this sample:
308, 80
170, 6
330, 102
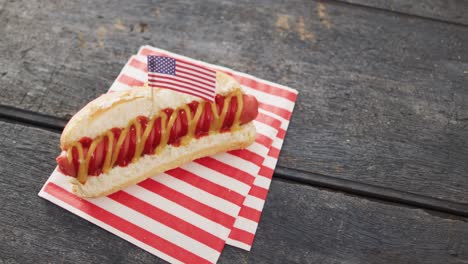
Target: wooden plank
24, 117
445, 10
301, 224
382, 98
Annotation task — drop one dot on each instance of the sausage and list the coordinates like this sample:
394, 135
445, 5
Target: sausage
249, 109
248, 113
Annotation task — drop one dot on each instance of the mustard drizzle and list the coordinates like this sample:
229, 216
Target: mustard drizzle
192, 119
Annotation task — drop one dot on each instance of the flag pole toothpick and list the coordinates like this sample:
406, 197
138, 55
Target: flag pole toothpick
152, 103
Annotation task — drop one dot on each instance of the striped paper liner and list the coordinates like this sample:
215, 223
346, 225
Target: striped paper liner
243, 233
184, 215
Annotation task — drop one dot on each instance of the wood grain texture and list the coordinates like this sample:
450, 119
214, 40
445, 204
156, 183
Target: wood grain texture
300, 224
454, 11
382, 96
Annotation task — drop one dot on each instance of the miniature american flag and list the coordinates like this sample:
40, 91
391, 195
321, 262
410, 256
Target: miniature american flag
181, 76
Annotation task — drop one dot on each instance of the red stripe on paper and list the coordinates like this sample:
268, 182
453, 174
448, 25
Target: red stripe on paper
270, 89
281, 133
207, 185
169, 220
146, 52
123, 225
250, 213
266, 172
189, 203
241, 236
284, 113
226, 169
274, 152
130, 81
268, 120
263, 140
248, 155
258, 192
139, 64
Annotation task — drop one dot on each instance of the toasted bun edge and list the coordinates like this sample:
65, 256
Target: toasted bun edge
171, 157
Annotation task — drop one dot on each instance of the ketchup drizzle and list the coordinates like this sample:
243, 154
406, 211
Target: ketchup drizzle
178, 130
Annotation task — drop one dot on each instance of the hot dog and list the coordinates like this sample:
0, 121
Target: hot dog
122, 138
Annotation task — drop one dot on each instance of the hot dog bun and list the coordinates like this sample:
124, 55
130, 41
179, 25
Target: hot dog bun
115, 110
171, 157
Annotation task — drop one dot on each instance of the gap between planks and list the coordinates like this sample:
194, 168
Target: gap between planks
55, 124
380, 9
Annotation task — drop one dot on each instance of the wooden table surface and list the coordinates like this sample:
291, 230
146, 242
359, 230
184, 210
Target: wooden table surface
374, 167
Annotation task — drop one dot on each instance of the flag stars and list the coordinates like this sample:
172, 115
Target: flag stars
161, 64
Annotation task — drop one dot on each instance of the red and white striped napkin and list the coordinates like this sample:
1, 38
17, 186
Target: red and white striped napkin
186, 215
